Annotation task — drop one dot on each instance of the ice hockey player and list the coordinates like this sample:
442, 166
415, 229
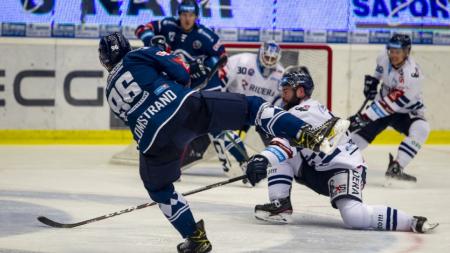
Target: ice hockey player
340, 175
252, 75
198, 45
398, 104
148, 89
201, 48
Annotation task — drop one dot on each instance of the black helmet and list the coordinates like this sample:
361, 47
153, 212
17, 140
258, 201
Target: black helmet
112, 49
296, 77
402, 41
188, 6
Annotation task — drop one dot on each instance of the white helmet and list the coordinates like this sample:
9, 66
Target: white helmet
269, 54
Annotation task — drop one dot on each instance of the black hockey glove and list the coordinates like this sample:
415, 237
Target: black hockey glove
160, 41
358, 121
370, 87
197, 69
256, 169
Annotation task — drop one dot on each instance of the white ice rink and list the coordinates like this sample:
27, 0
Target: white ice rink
73, 183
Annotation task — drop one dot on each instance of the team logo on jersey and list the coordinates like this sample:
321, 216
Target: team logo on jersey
336, 189
197, 44
251, 72
379, 69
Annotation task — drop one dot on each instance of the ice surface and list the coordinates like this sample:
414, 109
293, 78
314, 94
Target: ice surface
73, 183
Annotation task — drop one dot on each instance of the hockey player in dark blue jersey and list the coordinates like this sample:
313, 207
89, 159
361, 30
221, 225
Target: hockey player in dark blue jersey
148, 89
196, 44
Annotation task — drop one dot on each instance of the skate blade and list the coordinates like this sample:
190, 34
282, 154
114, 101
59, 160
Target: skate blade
390, 182
428, 227
330, 143
282, 218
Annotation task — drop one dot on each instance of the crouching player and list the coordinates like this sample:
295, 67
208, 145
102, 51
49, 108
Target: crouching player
339, 175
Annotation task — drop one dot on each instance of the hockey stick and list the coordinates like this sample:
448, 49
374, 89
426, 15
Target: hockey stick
363, 105
222, 61
55, 224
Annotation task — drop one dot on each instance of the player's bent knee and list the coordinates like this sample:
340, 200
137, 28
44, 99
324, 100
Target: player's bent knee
162, 195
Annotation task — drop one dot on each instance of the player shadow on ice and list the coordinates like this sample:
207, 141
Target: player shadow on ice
19, 217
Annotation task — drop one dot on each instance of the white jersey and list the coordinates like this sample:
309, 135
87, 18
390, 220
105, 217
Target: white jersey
345, 156
244, 77
401, 90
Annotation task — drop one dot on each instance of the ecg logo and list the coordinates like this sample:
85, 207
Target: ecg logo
38, 6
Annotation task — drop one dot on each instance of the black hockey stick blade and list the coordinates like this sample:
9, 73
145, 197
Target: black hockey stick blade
55, 224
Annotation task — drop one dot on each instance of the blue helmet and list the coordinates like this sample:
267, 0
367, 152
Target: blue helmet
188, 6
401, 41
112, 48
296, 77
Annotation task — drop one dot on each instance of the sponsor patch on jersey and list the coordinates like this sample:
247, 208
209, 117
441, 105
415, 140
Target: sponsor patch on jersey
161, 89
251, 72
196, 44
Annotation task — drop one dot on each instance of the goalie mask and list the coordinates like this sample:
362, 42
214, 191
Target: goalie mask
269, 54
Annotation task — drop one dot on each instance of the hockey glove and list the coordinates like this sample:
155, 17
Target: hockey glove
256, 169
370, 87
358, 121
160, 41
198, 69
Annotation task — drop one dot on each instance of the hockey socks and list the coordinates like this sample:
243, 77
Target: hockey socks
176, 209
358, 215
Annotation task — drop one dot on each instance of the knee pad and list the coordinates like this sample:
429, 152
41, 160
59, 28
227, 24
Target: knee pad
162, 195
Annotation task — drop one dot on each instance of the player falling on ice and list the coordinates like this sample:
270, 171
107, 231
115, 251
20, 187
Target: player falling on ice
148, 89
340, 175
399, 104
253, 75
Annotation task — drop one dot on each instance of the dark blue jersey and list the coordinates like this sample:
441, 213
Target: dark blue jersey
145, 90
199, 42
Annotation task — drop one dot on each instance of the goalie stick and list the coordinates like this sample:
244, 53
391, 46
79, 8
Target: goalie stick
55, 224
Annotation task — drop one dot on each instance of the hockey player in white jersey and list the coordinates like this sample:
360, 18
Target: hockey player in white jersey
398, 104
340, 175
252, 74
